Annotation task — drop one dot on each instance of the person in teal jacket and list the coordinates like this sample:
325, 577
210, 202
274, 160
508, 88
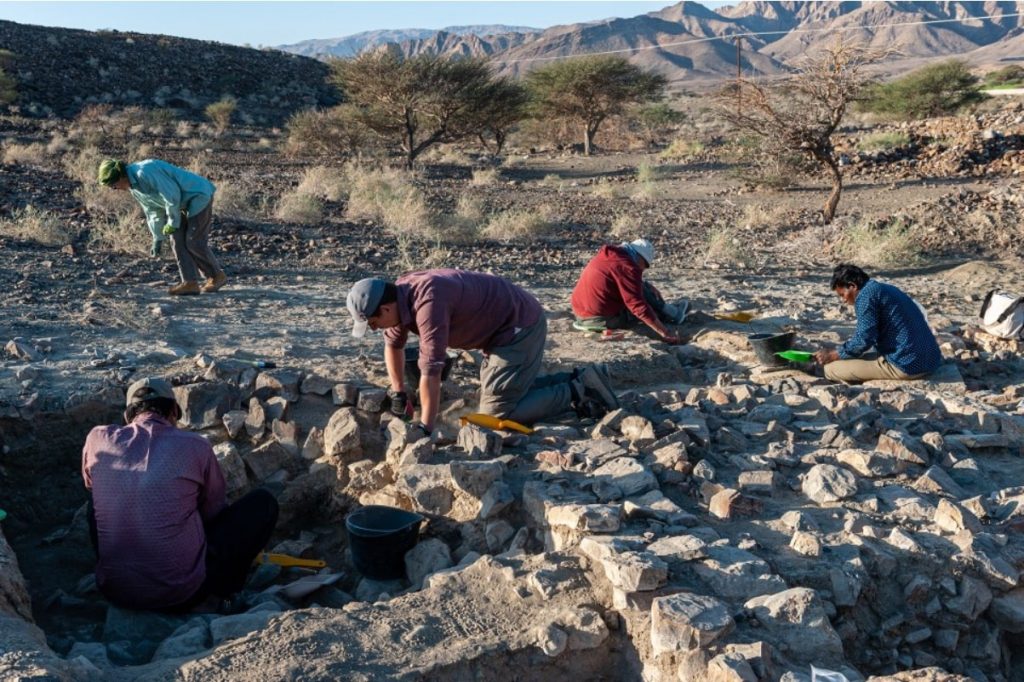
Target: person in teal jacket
177, 204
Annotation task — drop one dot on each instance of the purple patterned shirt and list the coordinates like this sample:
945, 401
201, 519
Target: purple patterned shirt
153, 487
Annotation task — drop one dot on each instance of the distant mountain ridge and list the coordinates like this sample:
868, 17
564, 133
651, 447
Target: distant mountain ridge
689, 40
350, 46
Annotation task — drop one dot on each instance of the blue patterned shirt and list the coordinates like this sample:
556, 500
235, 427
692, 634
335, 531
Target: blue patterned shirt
892, 323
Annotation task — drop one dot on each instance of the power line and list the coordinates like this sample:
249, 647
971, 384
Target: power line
749, 34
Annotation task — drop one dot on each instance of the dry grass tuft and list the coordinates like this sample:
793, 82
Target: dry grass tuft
31, 224
724, 246
297, 207
683, 149
389, 197
646, 173
234, 201
462, 227
485, 176
883, 141
124, 233
33, 154
522, 224
330, 184
890, 245
626, 225
606, 190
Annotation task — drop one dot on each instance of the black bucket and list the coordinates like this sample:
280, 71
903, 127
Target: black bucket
379, 537
767, 345
412, 367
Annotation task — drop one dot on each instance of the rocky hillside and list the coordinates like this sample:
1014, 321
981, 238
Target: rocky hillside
60, 71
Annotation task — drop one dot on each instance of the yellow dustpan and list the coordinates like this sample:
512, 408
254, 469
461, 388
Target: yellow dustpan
489, 422
738, 316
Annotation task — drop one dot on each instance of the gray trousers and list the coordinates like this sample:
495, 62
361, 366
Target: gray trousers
190, 244
510, 387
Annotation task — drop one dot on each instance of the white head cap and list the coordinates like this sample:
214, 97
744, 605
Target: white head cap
642, 247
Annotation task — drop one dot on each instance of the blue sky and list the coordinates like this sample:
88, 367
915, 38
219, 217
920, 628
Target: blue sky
278, 23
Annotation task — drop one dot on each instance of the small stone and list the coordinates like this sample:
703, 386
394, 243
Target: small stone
953, 518
316, 384
428, 556
313, 447
826, 483
267, 459
371, 400
635, 571
345, 395
256, 419
234, 422
704, 469
479, 443
806, 544
729, 504
342, 436
287, 434
552, 640
687, 622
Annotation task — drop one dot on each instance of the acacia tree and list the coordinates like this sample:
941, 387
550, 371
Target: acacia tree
421, 101
499, 116
805, 109
590, 90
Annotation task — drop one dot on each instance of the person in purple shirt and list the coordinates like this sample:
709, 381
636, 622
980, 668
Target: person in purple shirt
165, 538
473, 310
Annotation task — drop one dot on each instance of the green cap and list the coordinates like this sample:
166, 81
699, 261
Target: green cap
111, 170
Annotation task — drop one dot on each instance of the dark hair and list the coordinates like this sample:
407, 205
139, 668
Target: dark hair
847, 275
165, 407
390, 295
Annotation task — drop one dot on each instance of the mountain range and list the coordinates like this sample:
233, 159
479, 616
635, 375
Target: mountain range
689, 41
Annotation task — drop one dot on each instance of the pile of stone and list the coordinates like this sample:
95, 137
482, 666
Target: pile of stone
743, 531
954, 146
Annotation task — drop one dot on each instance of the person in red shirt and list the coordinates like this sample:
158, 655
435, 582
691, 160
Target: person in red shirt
164, 535
612, 293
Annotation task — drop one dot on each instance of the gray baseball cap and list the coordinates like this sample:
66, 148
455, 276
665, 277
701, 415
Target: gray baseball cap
147, 389
363, 301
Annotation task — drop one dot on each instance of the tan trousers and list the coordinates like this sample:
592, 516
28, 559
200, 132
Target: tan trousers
859, 371
190, 244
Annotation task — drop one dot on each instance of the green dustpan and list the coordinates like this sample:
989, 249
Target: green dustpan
796, 355
3, 515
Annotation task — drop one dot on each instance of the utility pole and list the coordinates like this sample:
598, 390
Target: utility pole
739, 76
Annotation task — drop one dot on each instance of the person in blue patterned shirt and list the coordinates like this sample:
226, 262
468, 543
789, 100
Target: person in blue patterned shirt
889, 321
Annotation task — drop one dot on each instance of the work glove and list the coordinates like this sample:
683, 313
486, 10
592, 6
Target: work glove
154, 250
400, 404
168, 229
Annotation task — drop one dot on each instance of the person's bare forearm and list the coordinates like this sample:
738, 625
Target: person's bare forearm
394, 358
430, 399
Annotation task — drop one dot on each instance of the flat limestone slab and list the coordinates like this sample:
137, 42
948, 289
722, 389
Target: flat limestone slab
478, 623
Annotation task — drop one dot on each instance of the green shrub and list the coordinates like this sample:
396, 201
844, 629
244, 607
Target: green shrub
1008, 76
519, 225
890, 245
335, 131
220, 113
937, 90
883, 141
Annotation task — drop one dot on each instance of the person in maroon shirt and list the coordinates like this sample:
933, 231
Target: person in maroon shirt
165, 538
473, 310
612, 293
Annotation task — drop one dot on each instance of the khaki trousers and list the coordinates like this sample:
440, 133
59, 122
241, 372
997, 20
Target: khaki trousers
190, 244
859, 371
510, 387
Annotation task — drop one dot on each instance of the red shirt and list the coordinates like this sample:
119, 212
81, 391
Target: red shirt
153, 485
459, 309
612, 282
